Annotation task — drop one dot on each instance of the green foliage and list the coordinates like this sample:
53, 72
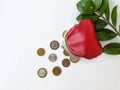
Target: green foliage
112, 48
100, 24
93, 17
103, 7
114, 15
86, 6
119, 28
99, 12
97, 3
105, 34
107, 12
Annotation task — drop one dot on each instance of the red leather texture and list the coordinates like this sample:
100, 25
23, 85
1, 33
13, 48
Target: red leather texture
82, 40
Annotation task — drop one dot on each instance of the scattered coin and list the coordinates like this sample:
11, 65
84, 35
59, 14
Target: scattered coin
54, 45
57, 71
66, 62
74, 59
52, 57
42, 72
66, 53
41, 51
63, 34
62, 46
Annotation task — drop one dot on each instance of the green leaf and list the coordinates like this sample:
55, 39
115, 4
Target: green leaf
97, 3
119, 28
112, 48
93, 17
86, 6
100, 24
103, 6
105, 34
107, 12
114, 15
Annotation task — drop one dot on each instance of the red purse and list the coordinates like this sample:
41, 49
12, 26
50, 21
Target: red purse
81, 40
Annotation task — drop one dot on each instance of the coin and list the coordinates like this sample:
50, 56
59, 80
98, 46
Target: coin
63, 34
57, 71
42, 72
54, 44
66, 62
65, 53
41, 51
74, 59
52, 57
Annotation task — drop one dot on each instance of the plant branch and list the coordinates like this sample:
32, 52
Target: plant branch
107, 21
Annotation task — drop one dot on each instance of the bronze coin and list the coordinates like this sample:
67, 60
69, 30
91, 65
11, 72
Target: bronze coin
42, 72
54, 45
41, 51
57, 71
63, 34
52, 57
66, 53
66, 62
74, 59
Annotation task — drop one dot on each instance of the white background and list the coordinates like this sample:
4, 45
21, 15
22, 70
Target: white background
25, 26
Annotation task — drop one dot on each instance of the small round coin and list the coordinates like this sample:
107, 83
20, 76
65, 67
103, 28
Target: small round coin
66, 53
41, 51
54, 44
57, 71
74, 59
42, 72
52, 57
63, 34
66, 62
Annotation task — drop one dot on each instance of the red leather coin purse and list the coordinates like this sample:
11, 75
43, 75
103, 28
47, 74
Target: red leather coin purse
82, 40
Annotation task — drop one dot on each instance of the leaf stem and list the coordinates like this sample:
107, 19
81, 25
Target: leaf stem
107, 21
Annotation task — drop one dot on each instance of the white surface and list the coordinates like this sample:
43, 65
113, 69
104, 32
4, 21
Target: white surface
26, 25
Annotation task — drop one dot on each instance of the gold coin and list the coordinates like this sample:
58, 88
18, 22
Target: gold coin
52, 57
41, 51
54, 44
42, 72
57, 71
74, 59
66, 53
63, 34
66, 62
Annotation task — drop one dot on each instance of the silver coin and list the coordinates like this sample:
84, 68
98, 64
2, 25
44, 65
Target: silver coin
74, 59
53, 57
54, 45
42, 72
